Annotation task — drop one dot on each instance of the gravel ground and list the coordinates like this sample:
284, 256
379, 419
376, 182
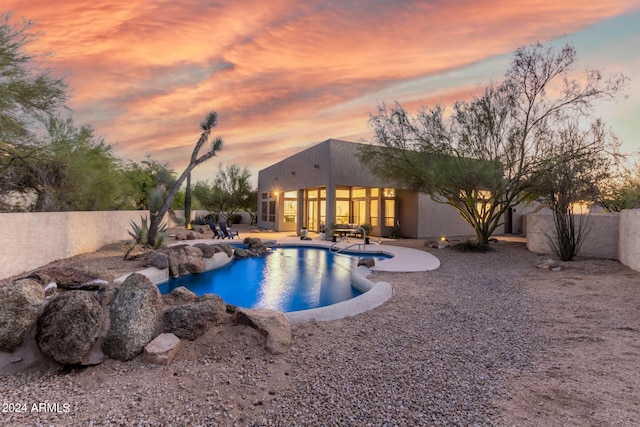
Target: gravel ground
448, 349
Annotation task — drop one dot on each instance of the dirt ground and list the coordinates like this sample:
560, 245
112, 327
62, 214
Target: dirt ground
591, 375
590, 372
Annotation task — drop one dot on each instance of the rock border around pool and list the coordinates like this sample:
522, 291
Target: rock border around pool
373, 294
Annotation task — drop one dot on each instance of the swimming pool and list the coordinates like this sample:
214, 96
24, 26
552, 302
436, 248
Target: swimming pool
287, 279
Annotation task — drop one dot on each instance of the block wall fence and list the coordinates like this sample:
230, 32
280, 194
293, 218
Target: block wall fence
32, 239
611, 235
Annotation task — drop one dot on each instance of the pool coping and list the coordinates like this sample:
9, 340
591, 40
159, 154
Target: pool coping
373, 294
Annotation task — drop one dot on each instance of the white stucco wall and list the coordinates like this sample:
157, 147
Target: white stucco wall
629, 243
601, 242
33, 239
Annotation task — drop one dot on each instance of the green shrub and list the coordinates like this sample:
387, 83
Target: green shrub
235, 218
211, 217
471, 246
200, 220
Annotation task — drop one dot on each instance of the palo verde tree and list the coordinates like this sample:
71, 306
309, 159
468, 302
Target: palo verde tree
29, 97
230, 192
80, 171
488, 152
157, 210
143, 178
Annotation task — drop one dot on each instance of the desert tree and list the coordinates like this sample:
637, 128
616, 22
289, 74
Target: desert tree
569, 180
72, 170
187, 204
143, 178
486, 154
621, 190
80, 171
229, 193
29, 97
159, 204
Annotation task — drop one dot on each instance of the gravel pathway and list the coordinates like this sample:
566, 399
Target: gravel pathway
438, 353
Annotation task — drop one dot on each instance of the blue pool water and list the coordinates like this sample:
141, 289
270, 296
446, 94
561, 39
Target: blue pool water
286, 279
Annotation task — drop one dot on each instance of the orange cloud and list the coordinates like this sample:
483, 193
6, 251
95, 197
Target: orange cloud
281, 74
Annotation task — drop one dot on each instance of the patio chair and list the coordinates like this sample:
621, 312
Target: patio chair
216, 233
226, 233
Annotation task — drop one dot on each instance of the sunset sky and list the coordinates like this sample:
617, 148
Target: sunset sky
284, 75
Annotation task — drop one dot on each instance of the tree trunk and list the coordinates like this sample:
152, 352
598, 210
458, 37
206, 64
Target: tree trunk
156, 218
187, 204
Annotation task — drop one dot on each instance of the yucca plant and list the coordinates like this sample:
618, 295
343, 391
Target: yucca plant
162, 234
140, 234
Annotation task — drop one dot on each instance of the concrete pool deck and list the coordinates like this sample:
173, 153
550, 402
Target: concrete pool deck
404, 259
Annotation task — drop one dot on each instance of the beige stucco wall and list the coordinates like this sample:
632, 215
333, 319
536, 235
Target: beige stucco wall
601, 242
629, 243
421, 217
30, 240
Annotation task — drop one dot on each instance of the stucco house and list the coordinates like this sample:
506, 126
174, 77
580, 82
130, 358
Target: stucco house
327, 184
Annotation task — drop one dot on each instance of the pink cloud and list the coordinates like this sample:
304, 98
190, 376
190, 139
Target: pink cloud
281, 74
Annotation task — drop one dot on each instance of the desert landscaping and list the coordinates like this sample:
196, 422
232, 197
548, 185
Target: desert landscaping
486, 339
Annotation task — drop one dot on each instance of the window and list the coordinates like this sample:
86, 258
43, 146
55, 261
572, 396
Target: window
342, 211
264, 210
389, 212
358, 192
343, 193
374, 211
290, 208
483, 204
272, 210
389, 195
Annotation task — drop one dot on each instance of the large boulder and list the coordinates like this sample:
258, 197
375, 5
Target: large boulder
255, 246
274, 325
157, 260
214, 307
207, 250
134, 313
69, 326
174, 263
179, 295
20, 304
186, 321
241, 253
193, 261
226, 248
73, 278
191, 320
